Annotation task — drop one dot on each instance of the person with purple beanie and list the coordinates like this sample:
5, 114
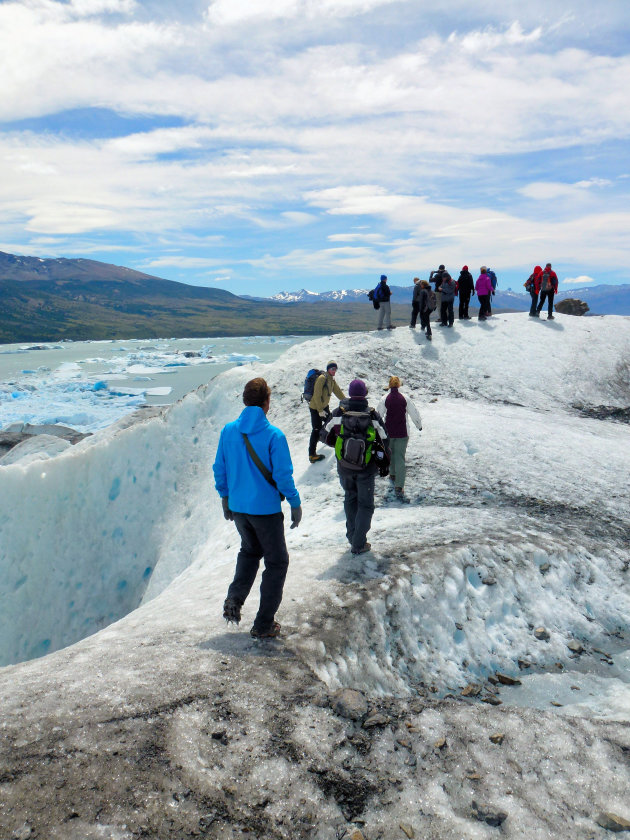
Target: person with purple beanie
356, 431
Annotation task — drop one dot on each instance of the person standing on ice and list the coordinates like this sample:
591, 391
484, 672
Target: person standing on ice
448, 290
548, 288
382, 294
436, 276
253, 473
356, 430
397, 408
483, 287
465, 288
325, 386
415, 302
425, 307
533, 284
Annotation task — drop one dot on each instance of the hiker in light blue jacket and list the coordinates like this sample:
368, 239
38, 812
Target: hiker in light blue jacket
250, 496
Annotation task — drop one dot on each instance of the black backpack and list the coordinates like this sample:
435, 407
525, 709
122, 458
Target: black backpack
309, 383
431, 300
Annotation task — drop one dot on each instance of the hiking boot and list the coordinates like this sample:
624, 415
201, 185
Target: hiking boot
271, 633
392, 327
550, 318
429, 336
365, 548
315, 458
232, 611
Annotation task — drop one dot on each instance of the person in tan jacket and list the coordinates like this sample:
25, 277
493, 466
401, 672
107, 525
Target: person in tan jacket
325, 387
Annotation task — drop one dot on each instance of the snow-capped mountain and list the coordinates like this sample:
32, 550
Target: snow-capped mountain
305, 296
602, 300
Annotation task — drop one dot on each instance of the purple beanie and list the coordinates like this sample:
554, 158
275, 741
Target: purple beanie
357, 388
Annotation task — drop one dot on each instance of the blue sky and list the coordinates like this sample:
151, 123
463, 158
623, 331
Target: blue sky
268, 146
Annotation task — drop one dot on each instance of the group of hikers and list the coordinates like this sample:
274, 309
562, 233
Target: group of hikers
254, 474
253, 468
441, 298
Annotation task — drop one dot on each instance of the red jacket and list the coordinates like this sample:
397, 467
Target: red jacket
536, 278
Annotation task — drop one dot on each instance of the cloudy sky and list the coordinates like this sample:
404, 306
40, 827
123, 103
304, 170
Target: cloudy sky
267, 145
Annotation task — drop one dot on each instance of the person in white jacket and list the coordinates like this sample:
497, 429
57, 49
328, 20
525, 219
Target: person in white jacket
396, 409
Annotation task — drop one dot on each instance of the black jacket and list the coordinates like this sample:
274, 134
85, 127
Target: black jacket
466, 284
436, 277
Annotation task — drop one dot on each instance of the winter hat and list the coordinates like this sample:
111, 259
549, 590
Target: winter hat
394, 382
441, 267
483, 269
465, 268
331, 365
383, 277
357, 388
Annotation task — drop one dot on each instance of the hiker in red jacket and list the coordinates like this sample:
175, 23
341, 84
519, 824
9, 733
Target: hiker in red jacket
548, 288
533, 284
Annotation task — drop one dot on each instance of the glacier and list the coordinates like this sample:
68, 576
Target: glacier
129, 709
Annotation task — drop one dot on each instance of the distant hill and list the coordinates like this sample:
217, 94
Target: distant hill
79, 299
602, 300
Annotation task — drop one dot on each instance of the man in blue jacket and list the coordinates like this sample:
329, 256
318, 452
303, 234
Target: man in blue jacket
251, 497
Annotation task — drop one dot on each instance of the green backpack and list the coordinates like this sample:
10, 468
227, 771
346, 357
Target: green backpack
354, 446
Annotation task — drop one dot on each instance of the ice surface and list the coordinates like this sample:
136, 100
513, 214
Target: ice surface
518, 517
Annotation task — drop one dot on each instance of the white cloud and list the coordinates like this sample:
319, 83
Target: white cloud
486, 42
582, 280
545, 190
234, 12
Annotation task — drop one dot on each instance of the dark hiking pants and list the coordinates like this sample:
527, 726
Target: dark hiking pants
316, 422
261, 536
549, 296
425, 320
484, 306
415, 311
534, 306
358, 503
464, 300
446, 313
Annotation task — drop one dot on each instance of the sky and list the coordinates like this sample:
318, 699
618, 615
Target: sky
260, 147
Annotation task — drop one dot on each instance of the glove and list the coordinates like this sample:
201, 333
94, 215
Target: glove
227, 513
296, 516
383, 470
322, 414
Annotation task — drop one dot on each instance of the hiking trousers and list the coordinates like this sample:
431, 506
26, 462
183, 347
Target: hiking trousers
549, 296
385, 314
397, 467
534, 306
446, 312
464, 300
358, 503
415, 311
261, 536
316, 424
484, 306
425, 320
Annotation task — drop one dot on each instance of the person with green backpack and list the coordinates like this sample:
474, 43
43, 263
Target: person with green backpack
358, 435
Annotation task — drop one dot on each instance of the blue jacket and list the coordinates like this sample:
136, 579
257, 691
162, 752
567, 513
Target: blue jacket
236, 475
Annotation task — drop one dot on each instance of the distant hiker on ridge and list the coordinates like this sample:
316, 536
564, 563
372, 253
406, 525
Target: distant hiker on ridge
465, 288
382, 294
448, 290
252, 470
548, 287
426, 302
397, 408
323, 389
436, 277
415, 302
356, 431
493, 280
532, 285
483, 287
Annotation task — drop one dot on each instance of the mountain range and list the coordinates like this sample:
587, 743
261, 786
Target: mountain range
602, 300
80, 299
